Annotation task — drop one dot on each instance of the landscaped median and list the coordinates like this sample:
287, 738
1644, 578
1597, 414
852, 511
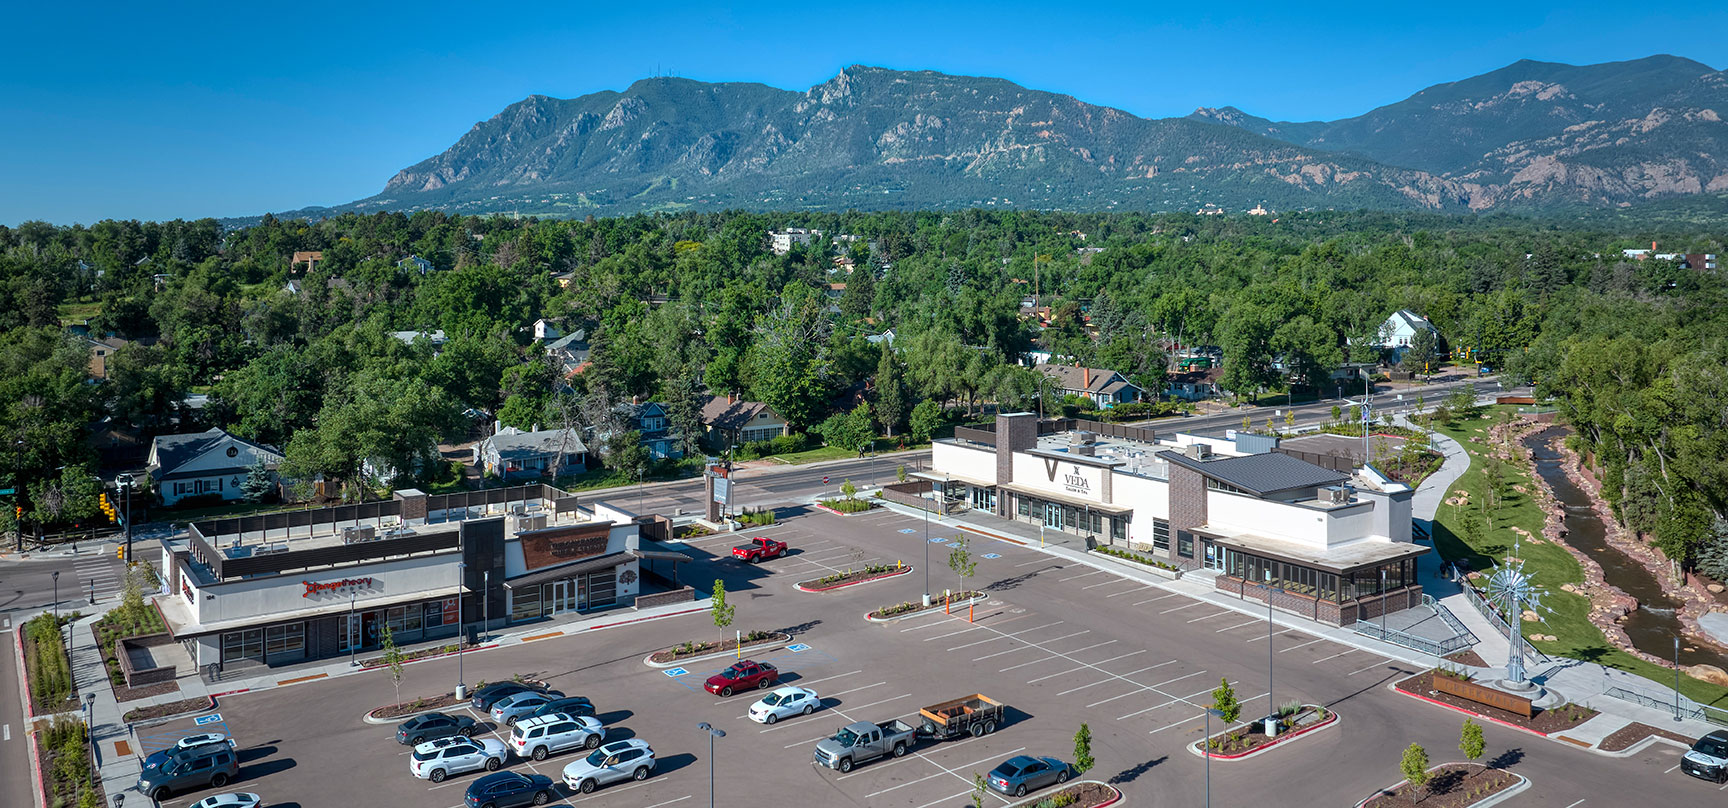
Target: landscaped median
1453, 689
1451, 785
840, 580
698, 651
901, 611
845, 507
172, 709
1250, 739
1078, 794
1139, 562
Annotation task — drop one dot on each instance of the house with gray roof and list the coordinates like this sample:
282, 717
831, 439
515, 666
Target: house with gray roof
205, 463
730, 421
512, 454
1105, 388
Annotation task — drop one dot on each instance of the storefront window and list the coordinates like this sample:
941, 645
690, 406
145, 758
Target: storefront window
1022, 507
602, 588
285, 643
404, 621
1161, 535
1328, 586
525, 603
1184, 544
246, 644
441, 613
1119, 528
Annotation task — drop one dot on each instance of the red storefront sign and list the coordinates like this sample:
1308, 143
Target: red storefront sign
319, 587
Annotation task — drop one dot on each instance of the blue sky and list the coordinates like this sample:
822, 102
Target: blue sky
189, 109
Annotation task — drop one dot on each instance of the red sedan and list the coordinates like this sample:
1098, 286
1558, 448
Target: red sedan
743, 676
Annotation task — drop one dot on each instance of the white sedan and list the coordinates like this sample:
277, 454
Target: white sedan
787, 701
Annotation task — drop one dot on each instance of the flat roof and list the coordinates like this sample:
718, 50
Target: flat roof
1341, 559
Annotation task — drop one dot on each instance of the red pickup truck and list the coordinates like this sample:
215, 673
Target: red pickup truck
759, 549
743, 676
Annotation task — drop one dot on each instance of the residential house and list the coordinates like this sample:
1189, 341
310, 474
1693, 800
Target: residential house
1105, 388
1395, 334
781, 241
306, 261
545, 330
211, 462
730, 422
884, 338
650, 418
100, 351
564, 278
512, 454
292, 286
435, 337
1698, 262
415, 263
834, 292
571, 352
1198, 384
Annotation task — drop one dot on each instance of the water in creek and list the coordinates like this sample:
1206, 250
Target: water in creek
1653, 626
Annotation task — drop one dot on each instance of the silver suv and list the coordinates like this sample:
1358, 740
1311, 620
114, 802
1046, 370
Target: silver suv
542, 735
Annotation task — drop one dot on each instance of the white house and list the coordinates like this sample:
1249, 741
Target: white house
212, 462
1395, 334
513, 454
781, 241
416, 264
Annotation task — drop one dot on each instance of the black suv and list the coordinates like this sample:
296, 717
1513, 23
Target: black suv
1708, 758
485, 697
432, 726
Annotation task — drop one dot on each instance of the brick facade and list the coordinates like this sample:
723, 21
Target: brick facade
1335, 614
1187, 511
1015, 432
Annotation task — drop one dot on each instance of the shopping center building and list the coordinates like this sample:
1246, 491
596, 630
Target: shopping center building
1331, 544
303, 585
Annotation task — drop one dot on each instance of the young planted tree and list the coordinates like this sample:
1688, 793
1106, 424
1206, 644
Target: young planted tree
847, 489
1414, 767
1224, 701
1083, 750
960, 561
980, 790
1470, 740
393, 660
722, 610
900, 473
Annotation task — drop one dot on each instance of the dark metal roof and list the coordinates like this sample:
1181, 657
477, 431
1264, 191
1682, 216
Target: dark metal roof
1260, 474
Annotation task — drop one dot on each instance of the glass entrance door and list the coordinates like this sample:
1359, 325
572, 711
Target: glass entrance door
563, 597
1053, 516
1214, 556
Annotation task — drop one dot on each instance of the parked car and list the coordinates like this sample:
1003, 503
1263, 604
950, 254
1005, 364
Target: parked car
784, 703
632, 759
759, 549
569, 705
742, 676
1708, 758
1022, 773
213, 765
507, 790
862, 742
239, 799
485, 697
436, 760
432, 726
521, 705
203, 739
540, 736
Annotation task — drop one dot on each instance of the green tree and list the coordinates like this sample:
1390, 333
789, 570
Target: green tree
854, 430
393, 659
1083, 750
258, 482
626, 455
890, 392
926, 418
847, 489
980, 790
1224, 701
1420, 352
961, 562
721, 610
1414, 767
1470, 740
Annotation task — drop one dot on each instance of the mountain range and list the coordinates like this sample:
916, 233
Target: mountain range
1530, 137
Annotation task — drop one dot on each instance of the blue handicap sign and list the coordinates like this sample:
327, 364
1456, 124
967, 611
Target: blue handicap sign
795, 648
207, 719
675, 672
938, 541
907, 530
992, 555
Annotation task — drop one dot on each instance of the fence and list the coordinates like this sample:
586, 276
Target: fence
1492, 614
1450, 619
1687, 708
1423, 644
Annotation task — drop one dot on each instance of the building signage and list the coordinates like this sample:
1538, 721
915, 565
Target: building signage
1073, 482
552, 546
320, 587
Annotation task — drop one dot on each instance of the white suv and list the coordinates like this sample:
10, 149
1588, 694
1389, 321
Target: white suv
542, 735
629, 759
435, 760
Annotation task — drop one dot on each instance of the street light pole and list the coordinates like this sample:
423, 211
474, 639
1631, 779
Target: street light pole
1271, 723
486, 605
713, 732
1382, 603
927, 543
461, 630
1676, 677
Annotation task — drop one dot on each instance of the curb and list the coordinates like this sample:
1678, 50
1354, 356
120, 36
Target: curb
1507, 724
406, 662
1641, 746
209, 704
766, 646
1494, 799
922, 612
367, 717
1266, 747
819, 506
1168, 575
1035, 800
884, 576
29, 713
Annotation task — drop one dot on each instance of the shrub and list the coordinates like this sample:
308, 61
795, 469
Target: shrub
847, 505
873, 569
50, 672
1137, 558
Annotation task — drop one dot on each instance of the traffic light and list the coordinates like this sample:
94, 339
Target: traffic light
107, 507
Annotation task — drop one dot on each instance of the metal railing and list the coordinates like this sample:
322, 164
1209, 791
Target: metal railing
1423, 644
1450, 619
1688, 708
1492, 615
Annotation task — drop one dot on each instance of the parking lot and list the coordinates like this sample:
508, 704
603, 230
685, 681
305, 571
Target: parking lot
1060, 643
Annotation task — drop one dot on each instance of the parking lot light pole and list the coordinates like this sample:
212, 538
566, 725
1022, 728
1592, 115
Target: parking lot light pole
485, 604
1676, 677
927, 543
461, 631
713, 732
353, 632
1271, 723
1206, 744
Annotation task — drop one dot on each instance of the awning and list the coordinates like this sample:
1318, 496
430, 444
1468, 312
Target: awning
1060, 499
662, 555
563, 571
178, 616
938, 477
1342, 560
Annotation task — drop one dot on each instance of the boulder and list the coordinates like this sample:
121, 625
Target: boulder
1715, 589
1708, 673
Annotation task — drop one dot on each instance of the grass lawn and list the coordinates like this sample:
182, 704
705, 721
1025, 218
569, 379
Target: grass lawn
1551, 565
822, 453
74, 312
184, 515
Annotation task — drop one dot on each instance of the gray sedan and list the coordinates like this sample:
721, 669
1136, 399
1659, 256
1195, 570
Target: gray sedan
514, 708
1020, 774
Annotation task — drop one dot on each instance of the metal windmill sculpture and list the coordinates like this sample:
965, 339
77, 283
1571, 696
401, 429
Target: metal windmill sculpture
1511, 589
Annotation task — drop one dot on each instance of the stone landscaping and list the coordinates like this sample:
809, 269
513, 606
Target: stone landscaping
1241, 740
171, 708
851, 577
1078, 795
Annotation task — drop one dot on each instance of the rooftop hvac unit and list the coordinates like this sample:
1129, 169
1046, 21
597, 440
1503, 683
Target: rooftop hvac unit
1082, 437
356, 535
518, 508
536, 522
271, 549
1086, 449
1198, 451
1337, 494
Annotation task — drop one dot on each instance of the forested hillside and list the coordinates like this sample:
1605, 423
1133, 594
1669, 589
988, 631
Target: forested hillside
676, 306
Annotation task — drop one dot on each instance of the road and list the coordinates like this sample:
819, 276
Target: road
1318, 412
1061, 643
765, 486
15, 770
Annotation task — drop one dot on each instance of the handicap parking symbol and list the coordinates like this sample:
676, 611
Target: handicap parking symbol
795, 648
675, 672
938, 541
207, 719
907, 530
992, 555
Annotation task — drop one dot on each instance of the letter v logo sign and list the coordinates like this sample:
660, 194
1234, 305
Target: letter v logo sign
1050, 468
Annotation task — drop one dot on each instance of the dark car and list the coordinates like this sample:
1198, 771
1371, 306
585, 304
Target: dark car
508, 789
1021, 773
743, 675
576, 706
1708, 758
489, 695
213, 765
432, 726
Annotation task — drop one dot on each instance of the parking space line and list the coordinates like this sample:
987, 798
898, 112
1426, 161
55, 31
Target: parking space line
1238, 625
802, 683
980, 642
1180, 608
947, 798
1210, 616
1030, 630
1303, 645
1077, 577
945, 770
925, 625
1199, 718
1371, 667
1115, 581
1156, 599
878, 766
853, 690
1024, 664
1127, 592
1090, 647
1258, 637
1035, 561
615, 790
1172, 699
1102, 681
1053, 675
1123, 656
1054, 639
997, 654
669, 802
1335, 656
883, 701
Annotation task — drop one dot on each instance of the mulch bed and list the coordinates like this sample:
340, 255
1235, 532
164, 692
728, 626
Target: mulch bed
856, 576
1453, 785
410, 656
675, 654
171, 708
124, 693
1469, 657
412, 706
60, 791
1086, 795
960, 602
1252, 735
1623, 738
1547, 722
42, 706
